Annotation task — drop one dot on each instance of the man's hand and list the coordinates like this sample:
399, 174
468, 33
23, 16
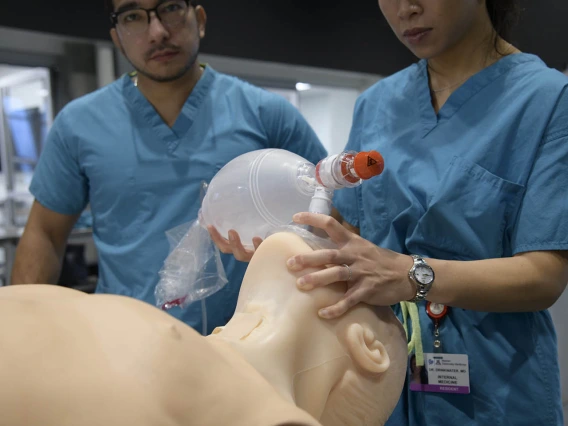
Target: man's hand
233, 244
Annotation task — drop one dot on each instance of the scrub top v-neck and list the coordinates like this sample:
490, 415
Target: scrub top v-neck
147, 116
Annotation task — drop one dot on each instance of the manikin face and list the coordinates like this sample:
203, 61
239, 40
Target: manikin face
431, 27
277, 330
163, 50
275, 319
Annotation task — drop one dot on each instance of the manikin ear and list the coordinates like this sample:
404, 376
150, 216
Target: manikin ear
201, 20
366, 351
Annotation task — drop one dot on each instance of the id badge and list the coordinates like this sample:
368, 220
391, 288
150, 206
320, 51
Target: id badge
442, 373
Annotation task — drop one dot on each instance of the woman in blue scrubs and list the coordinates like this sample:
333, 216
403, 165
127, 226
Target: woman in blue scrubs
475, 141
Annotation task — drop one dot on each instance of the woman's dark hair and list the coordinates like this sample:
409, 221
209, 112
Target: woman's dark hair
504, 15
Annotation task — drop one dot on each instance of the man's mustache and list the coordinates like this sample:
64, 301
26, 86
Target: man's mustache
161, 48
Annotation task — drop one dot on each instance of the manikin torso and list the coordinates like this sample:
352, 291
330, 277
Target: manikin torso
70, 359
73, 359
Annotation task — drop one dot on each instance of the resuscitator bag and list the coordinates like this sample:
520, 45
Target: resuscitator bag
256, 194
253, 194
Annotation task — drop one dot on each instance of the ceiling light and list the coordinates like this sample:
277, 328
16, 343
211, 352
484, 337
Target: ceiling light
302, 87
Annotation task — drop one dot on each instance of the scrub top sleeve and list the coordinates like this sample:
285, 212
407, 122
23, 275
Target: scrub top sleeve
347, 204
287, 129
58, 182
346, 200
542, 222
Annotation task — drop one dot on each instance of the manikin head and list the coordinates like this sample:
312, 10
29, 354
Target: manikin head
160, 38
346, 371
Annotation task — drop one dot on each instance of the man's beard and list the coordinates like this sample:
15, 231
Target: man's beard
171, 77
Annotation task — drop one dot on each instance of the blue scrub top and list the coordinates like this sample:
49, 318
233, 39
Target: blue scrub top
486, 177
142, 178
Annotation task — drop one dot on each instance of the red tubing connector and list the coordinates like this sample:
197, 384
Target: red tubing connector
178, 302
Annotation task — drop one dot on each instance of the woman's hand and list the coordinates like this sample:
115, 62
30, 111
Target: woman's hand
233, 244
374, 275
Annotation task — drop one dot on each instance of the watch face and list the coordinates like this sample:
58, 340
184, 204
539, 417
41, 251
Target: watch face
424, 275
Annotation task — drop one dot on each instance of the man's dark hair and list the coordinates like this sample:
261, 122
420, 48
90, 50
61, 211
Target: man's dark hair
504, 15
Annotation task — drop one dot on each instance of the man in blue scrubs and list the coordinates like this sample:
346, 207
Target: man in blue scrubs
139, 149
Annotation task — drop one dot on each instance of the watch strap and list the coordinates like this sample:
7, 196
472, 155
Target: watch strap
421, 289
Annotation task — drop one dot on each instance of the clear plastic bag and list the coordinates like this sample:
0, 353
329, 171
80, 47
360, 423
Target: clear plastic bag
192, 271
176, 234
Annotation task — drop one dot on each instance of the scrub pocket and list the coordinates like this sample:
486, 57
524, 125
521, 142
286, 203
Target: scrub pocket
468, 215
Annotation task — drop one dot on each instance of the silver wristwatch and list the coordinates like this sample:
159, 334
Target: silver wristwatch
422, 275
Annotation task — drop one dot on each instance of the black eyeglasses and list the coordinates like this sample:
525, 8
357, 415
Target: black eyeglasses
136, 20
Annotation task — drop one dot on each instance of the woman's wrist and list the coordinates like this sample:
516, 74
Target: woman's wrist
438, 293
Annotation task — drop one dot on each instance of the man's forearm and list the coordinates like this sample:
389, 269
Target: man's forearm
38, 261
529, 282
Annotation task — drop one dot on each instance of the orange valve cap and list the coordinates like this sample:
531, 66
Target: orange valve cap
368, 164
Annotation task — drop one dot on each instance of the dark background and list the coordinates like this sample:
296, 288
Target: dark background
346, 35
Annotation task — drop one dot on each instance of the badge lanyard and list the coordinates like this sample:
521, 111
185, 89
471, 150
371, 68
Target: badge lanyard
436, 311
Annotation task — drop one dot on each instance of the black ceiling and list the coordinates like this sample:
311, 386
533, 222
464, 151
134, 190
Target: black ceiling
330, 34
